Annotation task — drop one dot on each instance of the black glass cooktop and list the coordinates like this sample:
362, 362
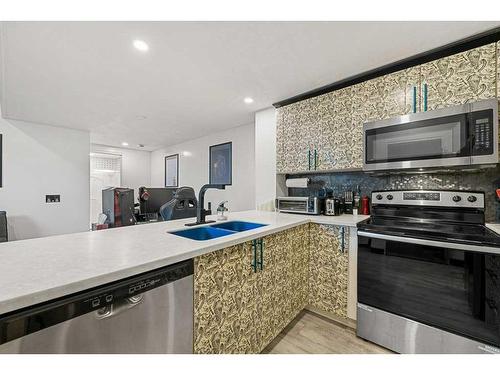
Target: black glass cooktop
474, 234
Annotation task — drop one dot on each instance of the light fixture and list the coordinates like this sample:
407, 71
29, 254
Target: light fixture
141, 45
124, 143
186, 153
248, 100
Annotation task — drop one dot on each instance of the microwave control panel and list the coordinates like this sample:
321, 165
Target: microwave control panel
481, 126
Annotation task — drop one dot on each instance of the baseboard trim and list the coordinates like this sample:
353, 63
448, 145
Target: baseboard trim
348, 322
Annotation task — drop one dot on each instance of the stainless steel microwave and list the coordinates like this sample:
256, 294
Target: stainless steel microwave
457, 136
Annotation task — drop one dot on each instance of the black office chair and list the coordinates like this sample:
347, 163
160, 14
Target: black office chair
182, 205
3, 227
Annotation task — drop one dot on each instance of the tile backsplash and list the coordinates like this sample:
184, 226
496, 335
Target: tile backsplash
486, 180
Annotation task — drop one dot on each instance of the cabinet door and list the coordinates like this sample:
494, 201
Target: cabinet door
298, 255
283, 283
377, 99
294, 147
498, 70
341, 142
384, 97
226, 302
267, 286
328, 269
280, 150
461, 78
298, 133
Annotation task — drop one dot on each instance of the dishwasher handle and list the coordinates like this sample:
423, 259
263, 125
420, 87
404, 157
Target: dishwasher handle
119, 307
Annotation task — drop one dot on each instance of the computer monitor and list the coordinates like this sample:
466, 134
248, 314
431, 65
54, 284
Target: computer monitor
156, 197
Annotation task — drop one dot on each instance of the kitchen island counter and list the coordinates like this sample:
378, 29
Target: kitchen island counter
38, 270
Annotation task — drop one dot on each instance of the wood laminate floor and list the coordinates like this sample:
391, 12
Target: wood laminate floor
310, 333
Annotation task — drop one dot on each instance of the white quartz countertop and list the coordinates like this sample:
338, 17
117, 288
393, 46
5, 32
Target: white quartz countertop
38, 270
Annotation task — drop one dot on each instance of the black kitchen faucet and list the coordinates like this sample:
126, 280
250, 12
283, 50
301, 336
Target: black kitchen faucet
201, 213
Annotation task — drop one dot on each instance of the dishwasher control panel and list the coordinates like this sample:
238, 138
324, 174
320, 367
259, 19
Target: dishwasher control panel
137, 285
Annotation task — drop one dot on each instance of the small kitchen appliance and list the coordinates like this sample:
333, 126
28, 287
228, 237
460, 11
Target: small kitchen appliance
332, 206
348, 202
428, 273
299, 205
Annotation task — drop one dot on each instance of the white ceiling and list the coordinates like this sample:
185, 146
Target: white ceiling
87, 75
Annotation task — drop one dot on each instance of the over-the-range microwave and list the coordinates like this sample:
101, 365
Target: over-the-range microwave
463, 135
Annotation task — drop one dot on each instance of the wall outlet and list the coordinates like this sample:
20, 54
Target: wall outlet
52, 198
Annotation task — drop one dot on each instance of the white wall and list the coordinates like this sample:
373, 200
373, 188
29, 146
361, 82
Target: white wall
193, 167
40, 160
265, 159
136, 166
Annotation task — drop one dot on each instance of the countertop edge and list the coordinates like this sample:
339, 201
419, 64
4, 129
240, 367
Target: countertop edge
17, 303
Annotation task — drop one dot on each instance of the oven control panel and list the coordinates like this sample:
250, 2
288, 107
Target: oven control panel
419, 196
440, 198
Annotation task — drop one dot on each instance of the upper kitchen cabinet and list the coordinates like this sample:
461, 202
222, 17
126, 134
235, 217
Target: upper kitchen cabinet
384, 97
340, 143
298, 134
325, 133
461, 78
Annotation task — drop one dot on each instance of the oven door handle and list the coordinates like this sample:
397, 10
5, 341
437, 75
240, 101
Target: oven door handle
419, 241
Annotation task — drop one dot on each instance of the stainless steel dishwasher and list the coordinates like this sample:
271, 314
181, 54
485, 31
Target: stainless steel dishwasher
148, 313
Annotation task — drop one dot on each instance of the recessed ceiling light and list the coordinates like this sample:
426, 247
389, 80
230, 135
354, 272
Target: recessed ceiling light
124, 143
248, 100
141, 45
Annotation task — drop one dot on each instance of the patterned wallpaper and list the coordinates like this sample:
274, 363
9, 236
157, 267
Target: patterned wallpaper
485, 180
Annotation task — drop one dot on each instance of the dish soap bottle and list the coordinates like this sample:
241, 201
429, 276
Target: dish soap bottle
221, 209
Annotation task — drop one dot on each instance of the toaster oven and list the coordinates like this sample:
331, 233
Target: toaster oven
298, 205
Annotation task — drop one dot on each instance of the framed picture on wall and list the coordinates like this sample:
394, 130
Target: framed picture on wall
172, 170
221, 163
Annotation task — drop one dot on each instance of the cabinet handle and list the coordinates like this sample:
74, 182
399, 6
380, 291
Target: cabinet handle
342, 240
309, 159
425, 97
261, 254
254, 261
414, 99
315, 159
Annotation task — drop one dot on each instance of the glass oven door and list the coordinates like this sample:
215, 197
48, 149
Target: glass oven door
451, 289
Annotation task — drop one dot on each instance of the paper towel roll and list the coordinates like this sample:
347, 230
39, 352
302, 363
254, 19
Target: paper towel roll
297, 182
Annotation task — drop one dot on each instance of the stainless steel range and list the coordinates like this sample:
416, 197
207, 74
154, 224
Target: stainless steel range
429, 273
